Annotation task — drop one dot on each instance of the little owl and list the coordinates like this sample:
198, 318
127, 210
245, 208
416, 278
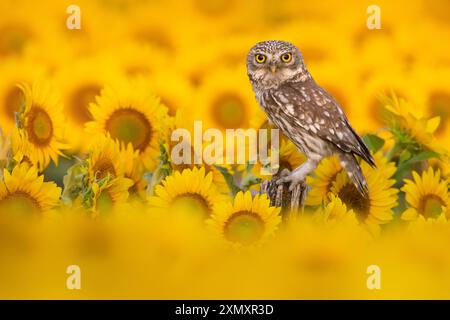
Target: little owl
307, 114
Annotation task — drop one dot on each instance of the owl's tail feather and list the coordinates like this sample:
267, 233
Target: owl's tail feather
351, 166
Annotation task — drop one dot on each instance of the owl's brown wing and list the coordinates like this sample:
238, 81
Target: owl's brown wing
317, 111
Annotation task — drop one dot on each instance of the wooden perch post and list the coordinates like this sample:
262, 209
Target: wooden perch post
280, 196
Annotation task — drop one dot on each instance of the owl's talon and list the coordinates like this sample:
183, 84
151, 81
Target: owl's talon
294, 178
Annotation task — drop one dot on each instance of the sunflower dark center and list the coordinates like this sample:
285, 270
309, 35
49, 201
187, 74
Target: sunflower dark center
102, 167
431, 206
130, 126
13, 100
439, 103
353, 200
19, 202
155, 37
229, 111
194, 201
39, 126
79, 102
13, 39
244, 227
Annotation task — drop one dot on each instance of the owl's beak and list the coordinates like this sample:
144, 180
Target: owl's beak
273, 69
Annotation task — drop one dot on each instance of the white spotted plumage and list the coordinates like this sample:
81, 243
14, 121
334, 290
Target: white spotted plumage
308, 115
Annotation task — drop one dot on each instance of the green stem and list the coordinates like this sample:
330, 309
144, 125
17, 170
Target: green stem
391, 153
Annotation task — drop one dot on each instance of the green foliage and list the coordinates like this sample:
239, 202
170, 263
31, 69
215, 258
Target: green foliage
241, 180
74, 182
163, 169
373, 142
405, 165
229, 179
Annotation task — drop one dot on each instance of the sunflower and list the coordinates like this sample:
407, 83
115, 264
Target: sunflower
435, 96
20, 28
374, 114
327, 171
335, 211
20, 148
15, 71
109, 193
247, 220
137, 61
426, 195
5, 147
133, 169
322, 180
80, 83
41, 123
129, 114
24, 191
305, 33
289, 158
377, 208
152, 29
105, 159
191, 190
182, 121
225, 100
175, 91
408, 128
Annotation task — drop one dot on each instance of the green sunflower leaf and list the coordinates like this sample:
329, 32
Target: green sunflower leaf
229, 179
407, 165
404, 156
373, 142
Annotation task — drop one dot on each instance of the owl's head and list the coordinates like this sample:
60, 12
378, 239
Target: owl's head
270, 63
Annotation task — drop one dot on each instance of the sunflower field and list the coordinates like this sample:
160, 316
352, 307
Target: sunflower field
87, 179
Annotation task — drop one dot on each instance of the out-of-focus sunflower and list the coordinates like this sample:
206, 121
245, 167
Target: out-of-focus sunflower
409, 129
79, 84
41, 123
24, 191
246, 221
130, 114
377, 208
335, 212
105, 159
427, 195
434, 96
15, 71
109, 193
225, 100
317, 42
136, 61
192, 191
20, 27
175, 91
152, 29
374, 113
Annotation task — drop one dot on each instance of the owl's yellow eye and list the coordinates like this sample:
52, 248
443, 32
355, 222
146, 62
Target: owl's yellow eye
260, 58
286, 57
